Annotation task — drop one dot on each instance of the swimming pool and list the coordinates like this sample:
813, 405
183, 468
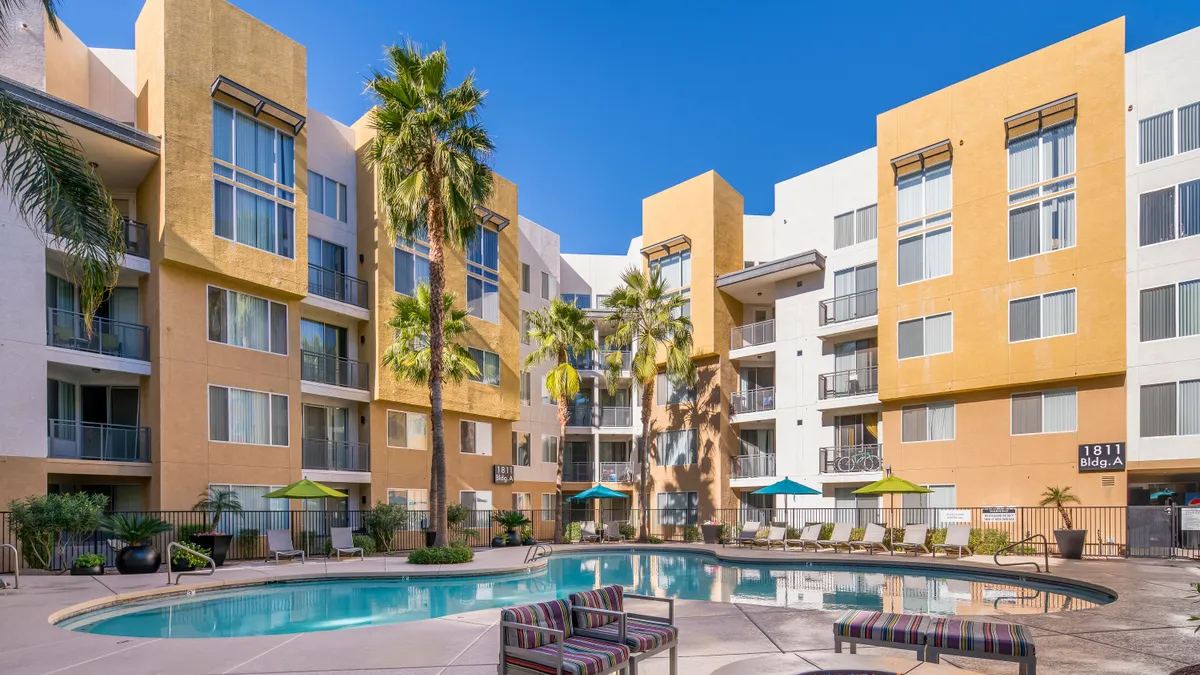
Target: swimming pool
306, 606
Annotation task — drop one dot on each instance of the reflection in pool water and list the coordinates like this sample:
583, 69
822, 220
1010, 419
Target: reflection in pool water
336, 604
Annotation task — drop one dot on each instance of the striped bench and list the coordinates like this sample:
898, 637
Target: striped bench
645, 635
540, 639
980, 639
864, 627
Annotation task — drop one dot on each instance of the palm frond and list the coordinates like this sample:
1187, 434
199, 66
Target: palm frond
9, 7
408, 357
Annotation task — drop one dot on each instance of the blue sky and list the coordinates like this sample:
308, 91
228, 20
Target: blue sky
594, 106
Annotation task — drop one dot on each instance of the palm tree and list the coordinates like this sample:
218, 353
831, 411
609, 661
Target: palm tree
647, 318
430, 155
55, 190
217, 501
1059, 496
558, 331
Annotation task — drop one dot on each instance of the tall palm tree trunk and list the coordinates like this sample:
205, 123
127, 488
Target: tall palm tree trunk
644, 459
563, 414
437, 311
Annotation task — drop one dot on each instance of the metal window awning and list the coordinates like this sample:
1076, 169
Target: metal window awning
261, 104
1043, 117
668, 246
486, 216
919, 160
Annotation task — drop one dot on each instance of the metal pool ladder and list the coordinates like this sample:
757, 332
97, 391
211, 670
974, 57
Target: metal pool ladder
1045, 553
538, 551
212, 566
16, 567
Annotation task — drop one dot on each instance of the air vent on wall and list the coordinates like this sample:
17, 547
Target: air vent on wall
1108, 481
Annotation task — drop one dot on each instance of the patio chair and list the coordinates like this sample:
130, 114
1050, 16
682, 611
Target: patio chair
342, 541
587, 532
279, 543
807, 536
958, 537
775, 535
749, 533
872, 539
645, 635
839, 537
541, 638
612, 531
914, 538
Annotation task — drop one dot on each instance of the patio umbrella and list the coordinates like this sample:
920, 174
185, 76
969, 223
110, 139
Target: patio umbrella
305, 489
598, 492
892, 485
787, 486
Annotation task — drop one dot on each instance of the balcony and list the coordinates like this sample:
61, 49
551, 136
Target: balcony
334, 370
617, 472
754, 400
338, 286
846, 383
320, 454
109, 338
583, 361
616, 417
851, 459
761, 465
577, 472
626, 359
849, 307
70, 439
133, 235
752, 334
580, 415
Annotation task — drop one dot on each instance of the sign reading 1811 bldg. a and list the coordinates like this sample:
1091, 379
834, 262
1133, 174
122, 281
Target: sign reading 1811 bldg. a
502, 474
1102, 457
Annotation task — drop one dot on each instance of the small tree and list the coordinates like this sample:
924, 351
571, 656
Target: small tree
51, 527
217, 501
1058, 497
383, 521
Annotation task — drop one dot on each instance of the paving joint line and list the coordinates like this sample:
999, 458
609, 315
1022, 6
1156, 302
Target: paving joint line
759, 628
472, 644
105, 656
256, 656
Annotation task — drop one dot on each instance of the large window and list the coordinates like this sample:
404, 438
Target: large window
483, 274
927, 422
855, 227
677, 508
670, 392
254, 503
922, 194
1170, 213
926, 255
489, 366
416, 500
926, 336
580, 300
676, 269
475, 438
1041, 227
406, 430
1041, 184
1160, 137
521, 448
1170, 311
1041, 316
412, 263
244, 416
247, 321
327, 196
479, 502
677, 448
254, 182
1045, 155
1044, 412
550, 449
1170, 409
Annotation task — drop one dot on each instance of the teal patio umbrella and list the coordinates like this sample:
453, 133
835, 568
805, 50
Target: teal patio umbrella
787, 486
598, 492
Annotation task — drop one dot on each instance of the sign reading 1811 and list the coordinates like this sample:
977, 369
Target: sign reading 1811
1102, 457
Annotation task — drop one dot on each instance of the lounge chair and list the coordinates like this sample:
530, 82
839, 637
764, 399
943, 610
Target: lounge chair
542, 638
279, 543
872, 539
587, 532
807, 536
342, 541
914, 538
612, 531
775, 535
957, 536
839, 537
749, 533
645, 635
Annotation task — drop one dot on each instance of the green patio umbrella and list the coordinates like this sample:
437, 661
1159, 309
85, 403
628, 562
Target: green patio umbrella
305, 489
892, 485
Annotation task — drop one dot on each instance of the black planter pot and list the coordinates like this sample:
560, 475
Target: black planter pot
514, 538
1070, 543
498, 542
95, 571
218, 544
142, 559
529, 541
711, 533
182, 566
430, 538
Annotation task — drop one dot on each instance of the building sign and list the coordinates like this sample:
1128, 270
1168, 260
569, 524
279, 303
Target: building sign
1101, 457
1189, 518
999, 514
502, 474
954, 515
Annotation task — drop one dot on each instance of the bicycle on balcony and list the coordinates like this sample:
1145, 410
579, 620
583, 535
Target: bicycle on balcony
858, 459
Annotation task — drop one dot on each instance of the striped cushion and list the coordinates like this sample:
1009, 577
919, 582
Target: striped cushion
1006, 639
581, 656
609, 597
641, 636
552, 614
867, 625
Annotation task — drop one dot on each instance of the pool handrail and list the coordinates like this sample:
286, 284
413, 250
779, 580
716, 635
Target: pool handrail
1045, 553
212, 565
16, 567
532, 554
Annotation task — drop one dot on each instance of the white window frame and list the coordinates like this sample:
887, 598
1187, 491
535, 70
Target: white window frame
953, 413
685, 284
922, 319
1178, 207
1042, 315
483, 353
341, 210
1043, 393
1041, 201
484, 275
286, 315
1176, 133
687, 509
407, 425
1176, 311
923, 232
858, 217
548, 513
280, 192
479, 450
1039, 187
547, 291
526, 387
229, 419
943, 217
557, 449
516, 443
693, 451
419, 248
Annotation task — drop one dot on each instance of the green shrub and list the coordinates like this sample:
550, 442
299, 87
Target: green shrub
573, 531
726, 532
627, 530
89, 560
185, 532
367, 544
247, 542
654, 540
53, 525
983, 541
310, 541
183, 556
454, 554
457, 514
826, 531
691, 533
526, 533
382, 522
857, 533
792, 533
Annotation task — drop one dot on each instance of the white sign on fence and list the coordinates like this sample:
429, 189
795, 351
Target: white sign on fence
999, 514
1189, 519
954, 515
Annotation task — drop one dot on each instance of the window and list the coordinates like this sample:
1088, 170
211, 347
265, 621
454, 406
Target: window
1189, 127
677, 448
522, 501
483, 274
1044, 155
416, 500
406, 430
926, 336
1170, 213
475, 438
1041, 227
412, 263
247, 321
1041, 165
677, 508
927, 422
524, 277
1156, 139
244, 416
526, 385
580, 300
479, 502
254, 182
489, 366
669, 392
676, 269
524, 327
550, 449
1162, 317
924, 193
254, 504
1170, 409
1044, 412
925, 256
327, 196
548, 509
854, 227
520, 448
545, 286
1041, 316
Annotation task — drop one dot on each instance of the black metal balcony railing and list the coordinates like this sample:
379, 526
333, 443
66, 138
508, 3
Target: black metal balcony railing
326, 455
753, 466
615, 416
849, 383
583, 361
133, 233
579, 472
752, 334
111, 338
338, 286
617, 472
580, 415
335, 370
847, 307
70, 439
754, 400
851, 459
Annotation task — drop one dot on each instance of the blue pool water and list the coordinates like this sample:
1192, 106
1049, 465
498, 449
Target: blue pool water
350, 603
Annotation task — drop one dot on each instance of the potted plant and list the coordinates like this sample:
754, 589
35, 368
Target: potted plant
512, 522
712, 531
184, 560
498, 542
1070, 541
527, 536
216, 501
88, 564
139, 555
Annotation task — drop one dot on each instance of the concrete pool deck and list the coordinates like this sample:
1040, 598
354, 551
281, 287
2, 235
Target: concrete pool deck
1145, 631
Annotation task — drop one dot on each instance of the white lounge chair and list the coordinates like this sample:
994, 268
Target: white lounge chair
775, 535
872, 539
587, 532
342, 541
612, 531
957, 537
749, 533
914, 538
279, 543
807, 536
839, 537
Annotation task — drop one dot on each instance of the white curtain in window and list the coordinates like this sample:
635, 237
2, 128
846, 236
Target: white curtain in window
1059, 411
1158, 410
1058, 151
914, 425
939, 253
675, 447
909, 193
1024, 238
246, 132
1058, 313
941, 421
866, 225
247, 219
1189, 308
1058, 223
316, 192
1189, 408
248, 321
671, 271
685, 267
843, 230
938, 189
1023, 162
1026, 410
911, 260
249, 412
939, 334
